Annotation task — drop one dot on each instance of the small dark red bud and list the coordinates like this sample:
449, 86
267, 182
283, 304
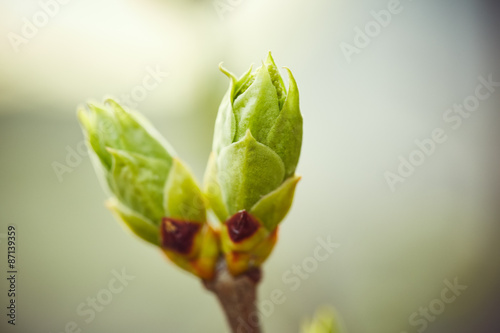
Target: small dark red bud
241, 226
178, 235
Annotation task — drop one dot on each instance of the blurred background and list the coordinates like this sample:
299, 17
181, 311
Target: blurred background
369, 89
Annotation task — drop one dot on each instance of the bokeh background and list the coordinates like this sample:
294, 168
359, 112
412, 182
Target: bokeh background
396, 247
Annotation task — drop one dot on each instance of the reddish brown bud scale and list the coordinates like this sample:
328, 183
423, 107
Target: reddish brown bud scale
241, 226
178, 235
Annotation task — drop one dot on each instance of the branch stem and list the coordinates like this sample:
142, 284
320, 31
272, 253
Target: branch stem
237, 296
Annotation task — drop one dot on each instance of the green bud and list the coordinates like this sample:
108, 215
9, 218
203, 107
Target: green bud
152, 192
257, 142
250, 179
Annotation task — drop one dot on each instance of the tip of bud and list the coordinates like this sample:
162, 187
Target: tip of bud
111, 102
227, 73
270, 59
83, 117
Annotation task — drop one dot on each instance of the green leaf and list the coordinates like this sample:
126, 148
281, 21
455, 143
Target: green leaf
212, 190
273, 207
183, 198
225, 124
102, 131
138, 182
285, 137
243, 83
257, 108
118, 129
248, 170
137, 224
276, 79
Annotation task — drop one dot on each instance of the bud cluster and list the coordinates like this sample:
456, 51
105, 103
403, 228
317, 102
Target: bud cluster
249, 182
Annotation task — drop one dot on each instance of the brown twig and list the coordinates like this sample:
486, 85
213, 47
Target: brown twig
237, 296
